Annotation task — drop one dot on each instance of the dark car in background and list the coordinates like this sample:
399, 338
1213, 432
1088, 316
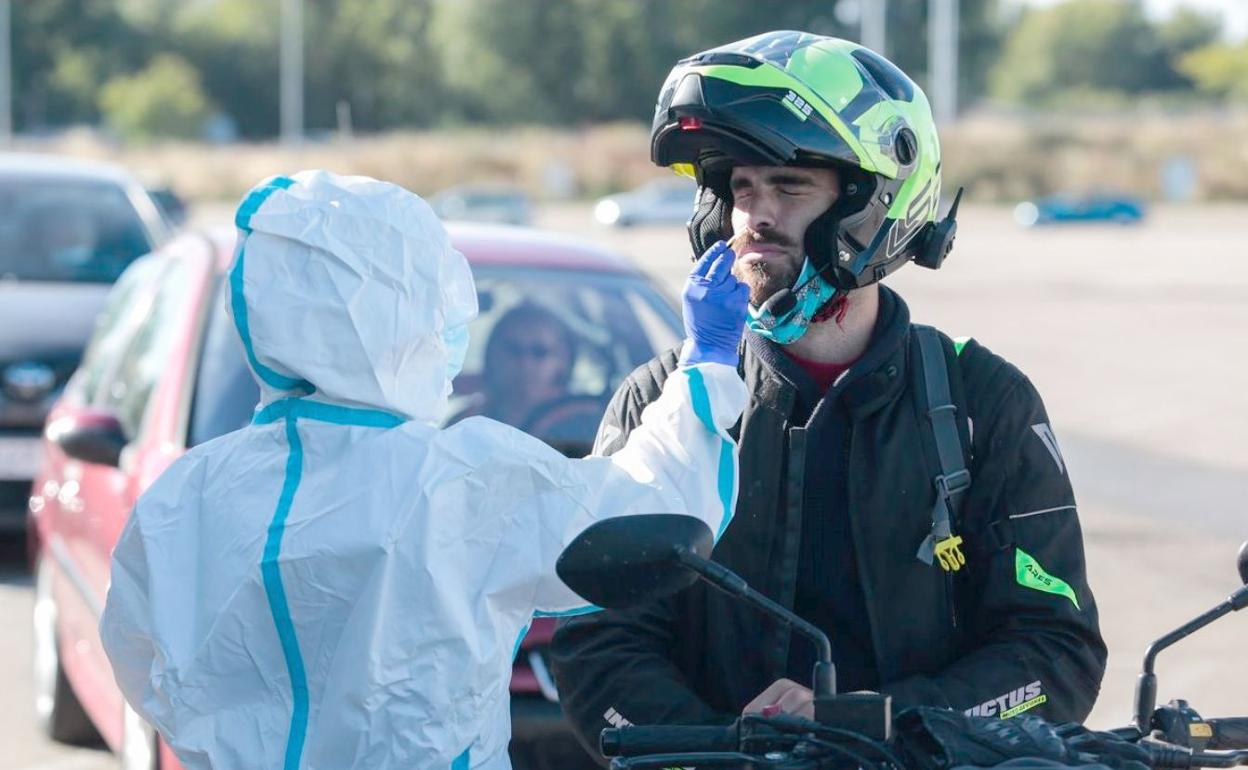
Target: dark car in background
68, 228
165, 371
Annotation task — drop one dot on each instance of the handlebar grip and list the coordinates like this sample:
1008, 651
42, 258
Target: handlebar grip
639, 740
1229, 733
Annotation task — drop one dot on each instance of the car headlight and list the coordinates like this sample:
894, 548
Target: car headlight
1026, 214
607, 212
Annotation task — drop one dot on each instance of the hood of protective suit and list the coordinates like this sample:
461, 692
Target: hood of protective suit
347, 289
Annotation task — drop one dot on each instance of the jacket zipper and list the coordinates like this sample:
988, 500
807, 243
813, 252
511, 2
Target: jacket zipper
795, 501
953, 601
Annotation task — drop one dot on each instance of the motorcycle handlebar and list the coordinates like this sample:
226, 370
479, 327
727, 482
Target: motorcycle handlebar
731, 760
1170, 757
727, 741
641, 740
1229, 733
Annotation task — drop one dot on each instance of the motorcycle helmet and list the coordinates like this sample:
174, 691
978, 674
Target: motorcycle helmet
793, 98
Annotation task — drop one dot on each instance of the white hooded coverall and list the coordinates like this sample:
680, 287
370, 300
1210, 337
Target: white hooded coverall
342, 584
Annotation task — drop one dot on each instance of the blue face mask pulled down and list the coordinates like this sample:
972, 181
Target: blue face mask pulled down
456, 342
789, 327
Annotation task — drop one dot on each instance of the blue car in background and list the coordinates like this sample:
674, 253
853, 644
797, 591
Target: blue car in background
1098, 207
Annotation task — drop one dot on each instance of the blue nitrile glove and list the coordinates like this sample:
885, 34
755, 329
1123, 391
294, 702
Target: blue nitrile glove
714, 304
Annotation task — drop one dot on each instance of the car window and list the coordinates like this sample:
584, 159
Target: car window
53, 230
678, 194
488, 198
550, 347
614, 323
146, 356
226, 393
129, 302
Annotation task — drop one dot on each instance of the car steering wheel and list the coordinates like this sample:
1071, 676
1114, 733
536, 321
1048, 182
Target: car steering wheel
568, 423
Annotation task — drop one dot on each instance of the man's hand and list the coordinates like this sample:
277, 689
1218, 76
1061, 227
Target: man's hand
715, 308
784, 696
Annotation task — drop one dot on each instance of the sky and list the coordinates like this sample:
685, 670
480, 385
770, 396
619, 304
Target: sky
1234, 12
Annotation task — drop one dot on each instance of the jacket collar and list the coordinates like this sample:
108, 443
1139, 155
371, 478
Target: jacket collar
774, 380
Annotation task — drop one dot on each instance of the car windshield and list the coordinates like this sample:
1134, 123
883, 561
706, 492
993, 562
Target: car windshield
550, 347
62, 230
546, 353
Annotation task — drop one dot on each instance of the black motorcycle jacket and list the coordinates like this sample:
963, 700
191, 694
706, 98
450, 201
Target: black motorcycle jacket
1015, 630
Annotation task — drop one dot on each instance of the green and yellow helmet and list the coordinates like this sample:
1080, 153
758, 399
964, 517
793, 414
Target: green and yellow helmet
792, 98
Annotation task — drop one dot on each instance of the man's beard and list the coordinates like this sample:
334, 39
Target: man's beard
766, 277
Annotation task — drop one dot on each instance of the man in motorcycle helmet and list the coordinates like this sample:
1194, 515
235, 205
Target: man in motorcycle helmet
902, 491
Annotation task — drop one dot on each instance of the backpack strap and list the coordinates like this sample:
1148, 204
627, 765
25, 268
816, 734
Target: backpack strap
954, 479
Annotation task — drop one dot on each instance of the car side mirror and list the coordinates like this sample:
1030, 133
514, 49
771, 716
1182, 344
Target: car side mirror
627, 560
1243, 562
170, 204
93, 436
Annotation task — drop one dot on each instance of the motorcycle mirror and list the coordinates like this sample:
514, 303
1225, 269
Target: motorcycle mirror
627, 560
1146, 684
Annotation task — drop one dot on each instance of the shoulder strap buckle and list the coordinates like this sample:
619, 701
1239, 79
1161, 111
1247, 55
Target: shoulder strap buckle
953, 484
954, 479
949, 554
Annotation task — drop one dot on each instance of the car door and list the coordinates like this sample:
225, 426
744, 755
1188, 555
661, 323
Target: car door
56, 505
103, 495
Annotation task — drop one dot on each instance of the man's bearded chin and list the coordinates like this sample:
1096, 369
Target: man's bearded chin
764, 280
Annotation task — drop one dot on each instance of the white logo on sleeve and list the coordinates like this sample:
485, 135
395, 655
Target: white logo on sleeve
615, 718
1045, 433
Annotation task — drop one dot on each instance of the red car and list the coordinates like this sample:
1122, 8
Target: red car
561, 324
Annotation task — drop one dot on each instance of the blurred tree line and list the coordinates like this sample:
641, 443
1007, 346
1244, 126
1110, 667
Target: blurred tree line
152, 68
1103, 52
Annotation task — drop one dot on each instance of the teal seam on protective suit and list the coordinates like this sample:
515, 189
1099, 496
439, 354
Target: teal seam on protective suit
250, 205
239, 306
701, 401
587, 609
515, 648
291, 409
725, 485
331, 413
256, 198
462, 761
270, 568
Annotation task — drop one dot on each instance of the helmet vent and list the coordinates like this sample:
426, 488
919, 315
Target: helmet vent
905, 147
689, 92
887, 77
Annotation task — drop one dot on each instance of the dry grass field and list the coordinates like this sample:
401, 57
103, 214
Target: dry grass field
996, 157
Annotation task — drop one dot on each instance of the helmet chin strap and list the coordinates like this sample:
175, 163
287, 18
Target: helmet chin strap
784, 300
787, 315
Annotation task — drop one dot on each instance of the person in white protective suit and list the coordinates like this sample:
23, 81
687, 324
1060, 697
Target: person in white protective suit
342, 584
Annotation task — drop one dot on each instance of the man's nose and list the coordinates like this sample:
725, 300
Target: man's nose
761, 213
